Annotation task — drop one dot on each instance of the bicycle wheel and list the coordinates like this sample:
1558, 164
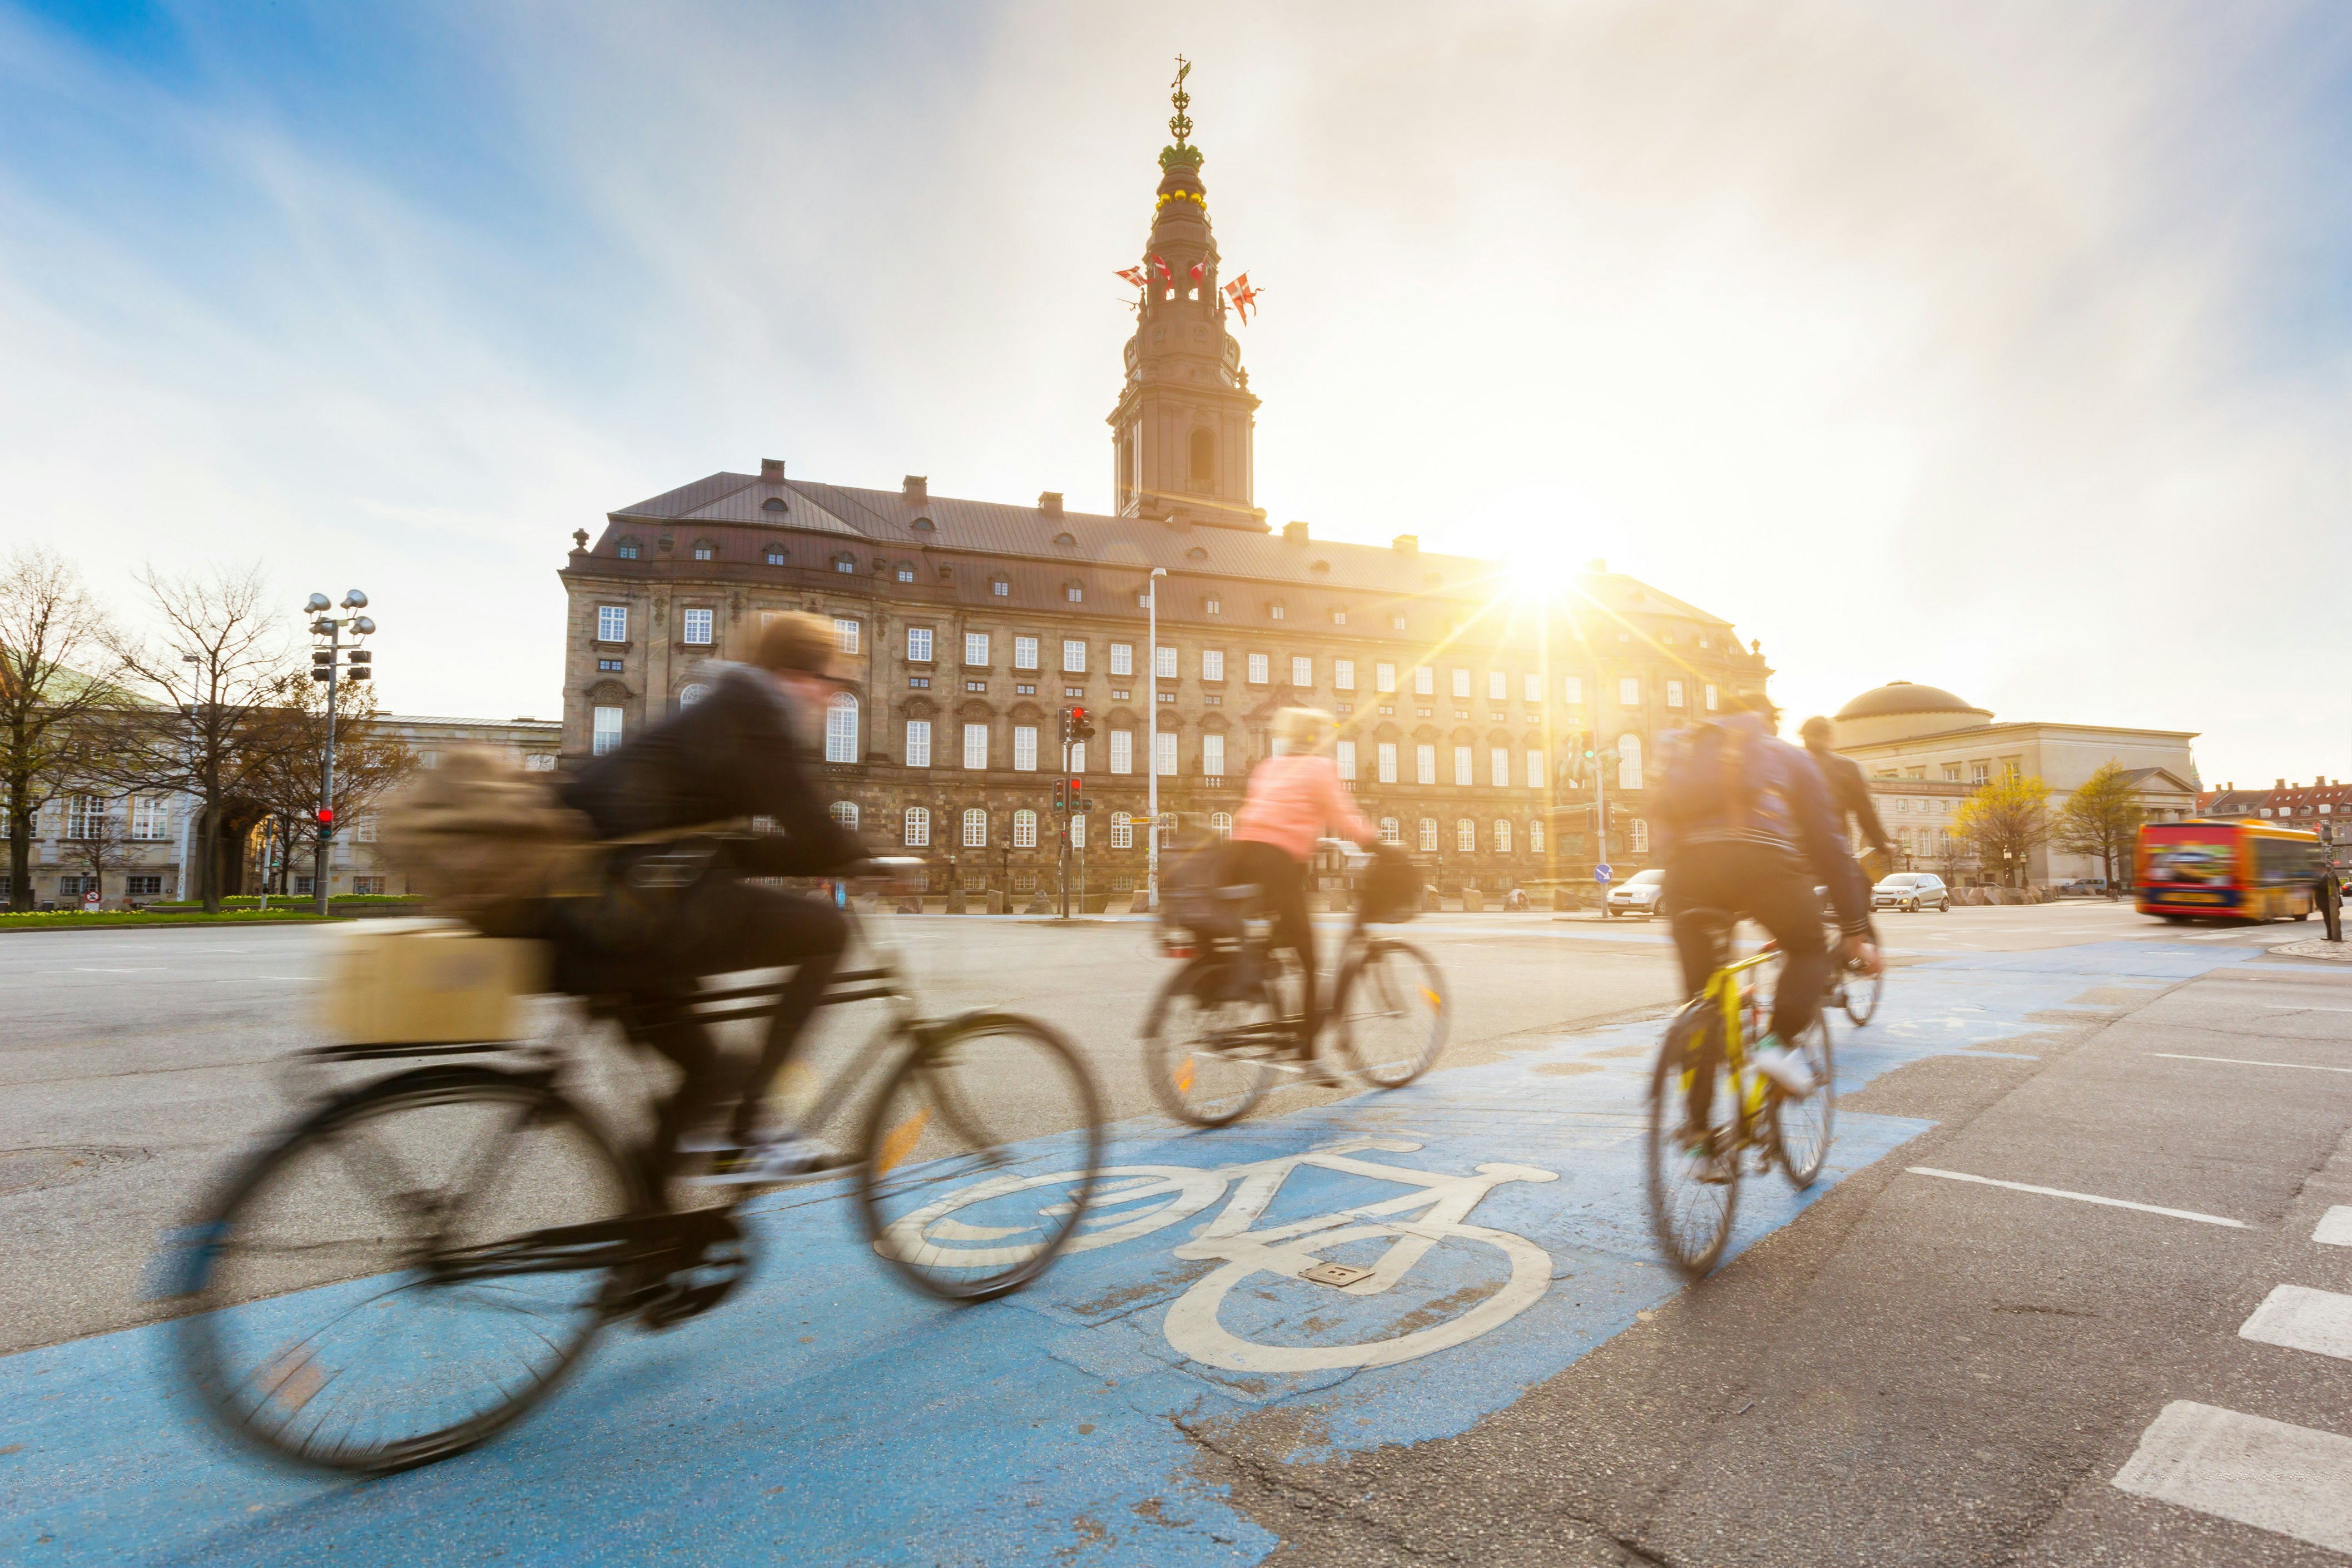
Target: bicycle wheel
1211, 1057
1860, 995
1694, 1184
1395, 1018
332, 1327
967, 1124
1801, 1128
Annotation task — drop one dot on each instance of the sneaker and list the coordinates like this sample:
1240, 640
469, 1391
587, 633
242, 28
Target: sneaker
778, 1160
1784, 1067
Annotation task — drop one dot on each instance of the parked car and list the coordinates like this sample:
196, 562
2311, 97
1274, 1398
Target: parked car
1912, 891
2090, 886
1636, 895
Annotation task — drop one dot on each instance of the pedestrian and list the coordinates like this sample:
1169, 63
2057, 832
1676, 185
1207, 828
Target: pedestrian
2327, 892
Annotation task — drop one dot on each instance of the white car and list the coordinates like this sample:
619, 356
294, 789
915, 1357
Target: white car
1911, 892
1636, 895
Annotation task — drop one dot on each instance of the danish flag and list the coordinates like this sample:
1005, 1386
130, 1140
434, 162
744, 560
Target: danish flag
1137, 275
1163, 268
1244, 296
1198, 268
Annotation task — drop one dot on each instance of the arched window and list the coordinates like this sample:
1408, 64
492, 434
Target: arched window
629, 549
845, 812
1502, 835
1534, 834
706, 550
1000, 585
918, 827
975, 828
775, 555
692, 692
1220, 822
1429, 836
1629, 761
840, 728
1391, 831
1204, 459
774, 503
1641, 836
1076, 593
844, 561
1024, 829
924, 525
1465, 836
1122, 831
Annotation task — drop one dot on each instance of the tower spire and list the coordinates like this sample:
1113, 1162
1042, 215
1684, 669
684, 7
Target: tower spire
1180, 124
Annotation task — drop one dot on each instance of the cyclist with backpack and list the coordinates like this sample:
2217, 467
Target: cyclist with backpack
1749, 826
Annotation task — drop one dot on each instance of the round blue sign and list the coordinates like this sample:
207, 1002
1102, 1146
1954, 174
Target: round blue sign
1600, 875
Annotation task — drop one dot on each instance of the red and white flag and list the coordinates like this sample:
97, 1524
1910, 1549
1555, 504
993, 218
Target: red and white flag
1199, 268
1162, 267
1137, 275
1244, 296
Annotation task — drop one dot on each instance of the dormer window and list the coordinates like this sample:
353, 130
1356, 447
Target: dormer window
844, 561
1273, 612
775, 556
906, 571
706, 550
1076, 593
629, 549
1066, 538
1001, 586
924, 525
1338, 617
1213, 607
1196, 554
1396, 623
1321, 567
774, 503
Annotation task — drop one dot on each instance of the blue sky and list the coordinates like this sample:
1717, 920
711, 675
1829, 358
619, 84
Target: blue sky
2000, 347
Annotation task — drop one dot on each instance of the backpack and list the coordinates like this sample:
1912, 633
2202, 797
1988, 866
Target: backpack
486, 842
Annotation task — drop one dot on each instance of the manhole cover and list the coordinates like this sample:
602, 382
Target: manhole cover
31, 1170
2317, 947
1335, 1274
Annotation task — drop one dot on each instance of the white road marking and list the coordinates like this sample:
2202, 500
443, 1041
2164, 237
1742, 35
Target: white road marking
2291, 1480
2078, 1197
2303, 1319
157, 969
2245, 1062
2335, 1226
2299, 1007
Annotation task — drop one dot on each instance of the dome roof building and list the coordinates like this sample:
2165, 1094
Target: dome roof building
1901, 709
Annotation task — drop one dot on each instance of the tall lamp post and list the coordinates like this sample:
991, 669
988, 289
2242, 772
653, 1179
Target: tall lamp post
327, 665
1151, 741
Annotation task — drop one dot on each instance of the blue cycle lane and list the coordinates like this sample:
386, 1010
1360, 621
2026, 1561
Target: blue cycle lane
827, 1415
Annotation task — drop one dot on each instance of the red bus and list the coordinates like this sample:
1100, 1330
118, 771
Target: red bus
2216, 870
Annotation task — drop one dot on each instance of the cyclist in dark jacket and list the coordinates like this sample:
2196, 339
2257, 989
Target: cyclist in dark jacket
1748, 827
674, 912
1849, 791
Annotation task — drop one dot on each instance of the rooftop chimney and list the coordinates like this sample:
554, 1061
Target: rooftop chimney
1295, 531
915, 489
771, 469
2281, 785
1050, 502
1408, 543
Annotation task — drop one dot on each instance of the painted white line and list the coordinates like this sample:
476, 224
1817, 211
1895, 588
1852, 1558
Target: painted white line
2335, 1226
2290, 1480
2299, 1007
2078, 1197
2303, 1319
2243, 1062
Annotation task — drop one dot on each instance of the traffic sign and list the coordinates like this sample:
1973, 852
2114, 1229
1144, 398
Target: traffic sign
1601, 874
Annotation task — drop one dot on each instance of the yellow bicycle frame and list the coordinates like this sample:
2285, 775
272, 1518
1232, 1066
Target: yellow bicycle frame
1722, 990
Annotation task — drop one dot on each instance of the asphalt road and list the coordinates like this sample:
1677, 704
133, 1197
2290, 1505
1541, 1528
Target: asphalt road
1911, 1364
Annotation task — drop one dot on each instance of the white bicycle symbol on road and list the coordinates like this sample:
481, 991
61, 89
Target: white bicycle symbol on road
1417, 1221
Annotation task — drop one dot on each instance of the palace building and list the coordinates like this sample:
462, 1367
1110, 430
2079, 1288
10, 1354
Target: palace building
1468, 696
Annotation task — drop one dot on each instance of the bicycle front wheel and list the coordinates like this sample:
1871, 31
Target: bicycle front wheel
332, 1328
1801, 1128
1394, 1016
1210, 1058
1692, 1161
981, 1156
1861, 994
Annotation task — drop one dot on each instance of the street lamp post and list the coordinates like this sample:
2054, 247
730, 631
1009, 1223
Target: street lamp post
326, 664
1151, 739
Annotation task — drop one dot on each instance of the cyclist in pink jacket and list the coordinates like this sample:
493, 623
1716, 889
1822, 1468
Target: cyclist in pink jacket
1293, 798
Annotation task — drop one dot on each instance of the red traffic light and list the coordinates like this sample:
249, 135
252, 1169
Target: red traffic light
326, 818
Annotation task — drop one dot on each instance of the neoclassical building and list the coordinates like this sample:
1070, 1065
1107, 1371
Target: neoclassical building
1468, 691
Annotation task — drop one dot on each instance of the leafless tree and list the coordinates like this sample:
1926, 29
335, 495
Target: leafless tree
212, 658
57, 672
289, 743
95, 840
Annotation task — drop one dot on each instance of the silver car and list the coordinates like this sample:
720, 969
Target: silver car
1911, 892
1636, 895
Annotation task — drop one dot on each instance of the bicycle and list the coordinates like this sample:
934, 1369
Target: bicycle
1693, 1180
1413, 1223
1222, 1028
415, 1262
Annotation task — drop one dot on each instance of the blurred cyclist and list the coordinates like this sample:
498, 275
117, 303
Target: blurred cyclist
1849, 791
677, 910
1292, 798
1748, 826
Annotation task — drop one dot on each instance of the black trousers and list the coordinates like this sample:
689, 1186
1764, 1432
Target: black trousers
1777, 890
719, 925
1282, 882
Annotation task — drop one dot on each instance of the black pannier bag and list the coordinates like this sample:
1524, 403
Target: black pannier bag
1390, 887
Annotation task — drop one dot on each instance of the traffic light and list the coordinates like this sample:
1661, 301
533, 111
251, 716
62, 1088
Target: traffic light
326, 822
1081, 727
1061, 795
360, 661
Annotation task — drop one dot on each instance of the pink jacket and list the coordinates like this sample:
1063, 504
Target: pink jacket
1292, 799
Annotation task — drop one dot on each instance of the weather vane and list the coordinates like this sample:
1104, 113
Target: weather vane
1179, 125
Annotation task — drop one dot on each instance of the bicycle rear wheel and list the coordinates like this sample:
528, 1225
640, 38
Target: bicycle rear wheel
331, 1329
1801, 1128
1693, 1179
1211, 1057
1394, 1015
966, 1126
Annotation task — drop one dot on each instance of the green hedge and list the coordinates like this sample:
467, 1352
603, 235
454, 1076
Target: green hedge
279, 900
75, 921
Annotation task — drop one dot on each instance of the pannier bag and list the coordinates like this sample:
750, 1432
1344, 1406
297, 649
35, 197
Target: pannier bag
1390, 887
485, 841
427, 982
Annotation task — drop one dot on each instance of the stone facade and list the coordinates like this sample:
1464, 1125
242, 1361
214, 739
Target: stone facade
2323, 806
1468, 691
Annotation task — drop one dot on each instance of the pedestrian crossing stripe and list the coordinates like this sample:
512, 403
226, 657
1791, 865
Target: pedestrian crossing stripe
2291, 1480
